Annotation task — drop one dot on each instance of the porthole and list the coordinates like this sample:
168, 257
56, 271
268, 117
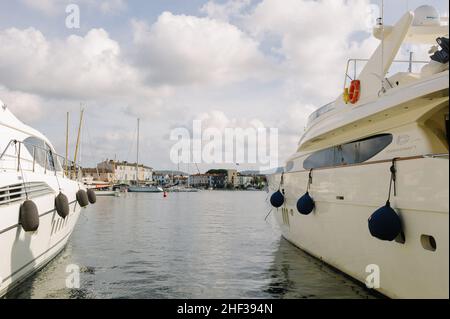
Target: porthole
428, 242
401, 238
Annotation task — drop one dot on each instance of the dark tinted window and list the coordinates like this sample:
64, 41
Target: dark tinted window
42, 153
370, 147
322, 158
350, 153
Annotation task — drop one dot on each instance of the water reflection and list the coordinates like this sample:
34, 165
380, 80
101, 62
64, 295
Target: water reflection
296, 275
195, 245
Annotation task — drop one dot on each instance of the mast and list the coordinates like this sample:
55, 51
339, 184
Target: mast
382, 73
67, 144
78, 137
137, 153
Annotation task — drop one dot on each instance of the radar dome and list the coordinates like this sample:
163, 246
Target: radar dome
426, 16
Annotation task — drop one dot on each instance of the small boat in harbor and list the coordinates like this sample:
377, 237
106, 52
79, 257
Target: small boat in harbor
107, 192
145, 189
182, 189
142, 187
41, 196
384, 141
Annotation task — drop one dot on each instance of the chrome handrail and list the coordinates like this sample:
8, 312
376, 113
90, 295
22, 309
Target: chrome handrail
70, 169
355, 61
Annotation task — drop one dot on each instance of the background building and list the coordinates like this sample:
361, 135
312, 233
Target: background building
119, 172
199, 180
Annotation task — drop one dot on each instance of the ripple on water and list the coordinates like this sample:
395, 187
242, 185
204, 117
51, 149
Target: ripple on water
196, 245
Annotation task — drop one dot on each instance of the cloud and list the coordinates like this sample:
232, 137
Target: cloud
28, 107
225, 11
315, 38
242, 64
78, 67
186, 50
219, 120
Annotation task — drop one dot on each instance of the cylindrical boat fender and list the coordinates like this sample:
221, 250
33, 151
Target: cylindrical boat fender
92, 197
277, 199
306, 205
62, 205
82, 198
29, 216
385, 224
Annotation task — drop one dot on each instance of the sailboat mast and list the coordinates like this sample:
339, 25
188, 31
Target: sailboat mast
67, 145
77, 146
137, 152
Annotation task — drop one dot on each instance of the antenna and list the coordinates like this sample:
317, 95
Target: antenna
382, 44
137, 151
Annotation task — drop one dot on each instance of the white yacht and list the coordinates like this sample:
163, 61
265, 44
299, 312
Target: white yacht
39, 203
368, 189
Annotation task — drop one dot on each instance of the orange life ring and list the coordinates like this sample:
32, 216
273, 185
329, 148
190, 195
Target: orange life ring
355, 91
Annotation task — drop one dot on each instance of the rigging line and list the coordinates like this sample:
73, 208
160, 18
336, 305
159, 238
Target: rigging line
270, 212
56, 172
197, 168
21, 170
393, 170
310, 180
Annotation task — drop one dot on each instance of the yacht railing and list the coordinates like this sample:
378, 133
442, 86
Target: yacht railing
350, 77
52, 161
354, 63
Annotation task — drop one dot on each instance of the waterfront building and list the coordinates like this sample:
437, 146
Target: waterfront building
124, 172
232, 178
199, 180
217, 181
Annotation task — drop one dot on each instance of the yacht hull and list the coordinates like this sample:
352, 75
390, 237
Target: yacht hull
337, 231
21, 253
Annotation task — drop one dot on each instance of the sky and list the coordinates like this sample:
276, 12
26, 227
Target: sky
229, 63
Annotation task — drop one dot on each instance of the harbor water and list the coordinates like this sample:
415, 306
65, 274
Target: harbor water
211, 244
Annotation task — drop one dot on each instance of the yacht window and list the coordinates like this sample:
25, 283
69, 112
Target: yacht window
370, 147
322, 158
43, 153
350, 153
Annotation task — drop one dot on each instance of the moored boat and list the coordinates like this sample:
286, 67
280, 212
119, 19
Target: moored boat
368, 188
145, 189
40, 200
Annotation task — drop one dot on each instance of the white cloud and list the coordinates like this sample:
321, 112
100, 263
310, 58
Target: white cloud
184, 65
80, 67
219, 120
28, 107
315, 40
180, 49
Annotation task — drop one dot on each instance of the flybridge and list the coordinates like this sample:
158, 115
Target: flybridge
423, 26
